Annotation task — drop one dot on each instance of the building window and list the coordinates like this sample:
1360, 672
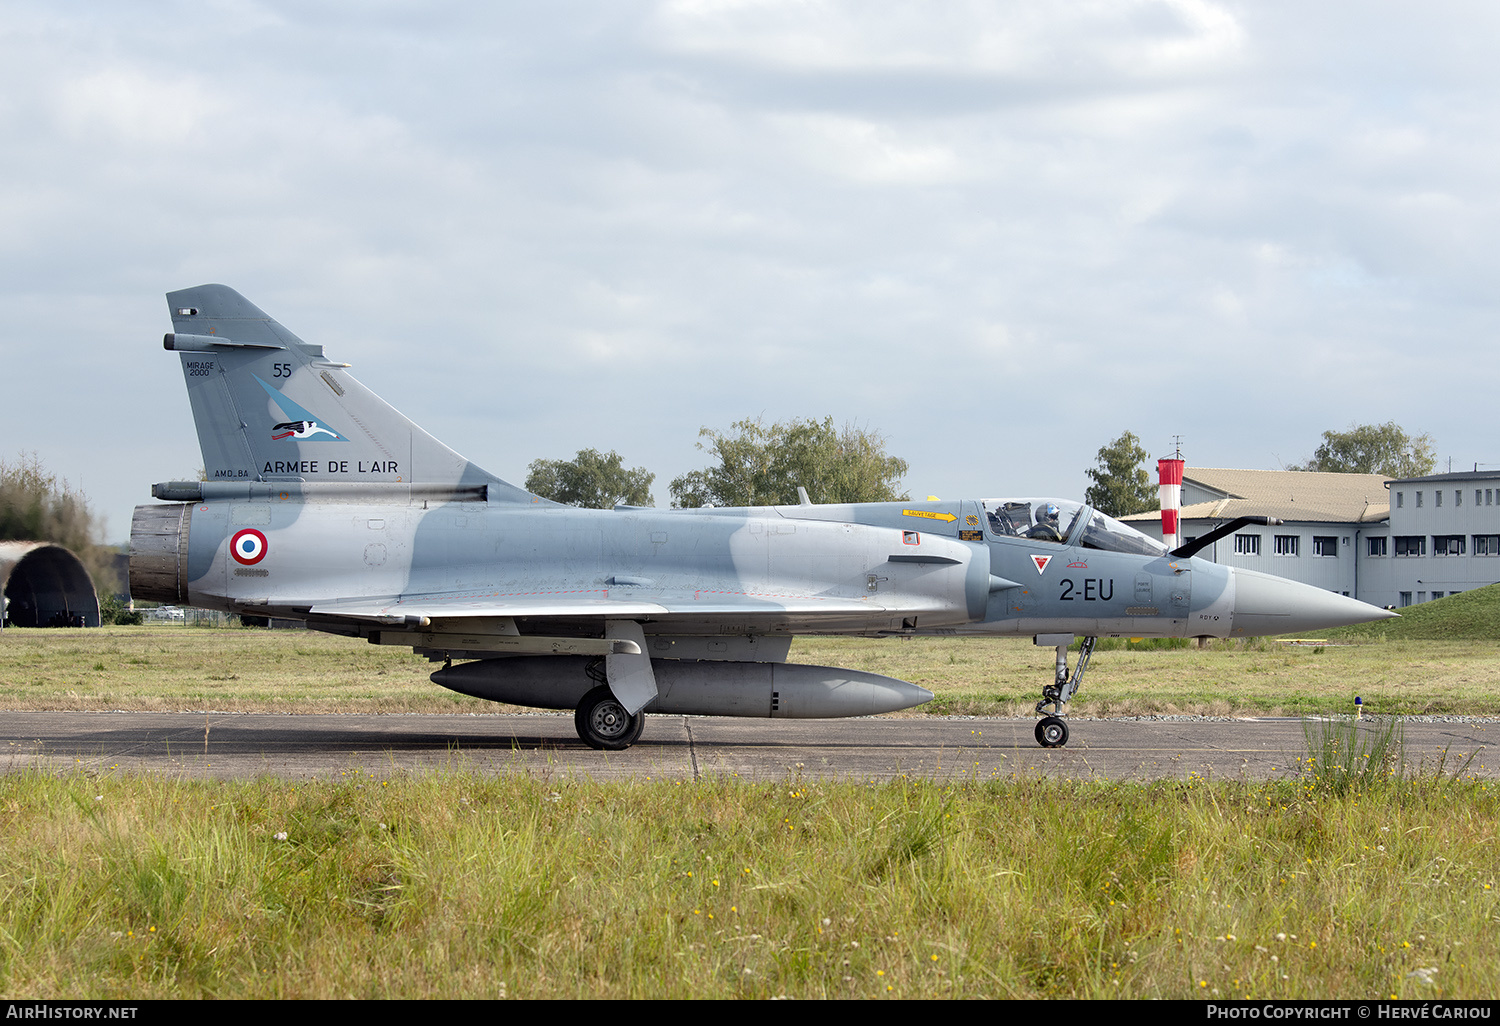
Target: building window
1247, 545
1325, 546
1419, 500
1458, 496
1286, 544
1405, 599
1400, 499
1487, 545
1410, 545
1437, 498
1477, 495
1375, 546
1447, 545
1487, 493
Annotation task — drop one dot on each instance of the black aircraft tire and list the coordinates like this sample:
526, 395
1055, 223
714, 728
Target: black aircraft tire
603, 724
1051, 732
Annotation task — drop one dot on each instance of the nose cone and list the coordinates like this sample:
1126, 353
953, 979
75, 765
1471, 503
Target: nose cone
1273, 605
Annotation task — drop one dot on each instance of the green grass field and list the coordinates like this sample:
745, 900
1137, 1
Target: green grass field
454, 885
1470, 616
1441, 657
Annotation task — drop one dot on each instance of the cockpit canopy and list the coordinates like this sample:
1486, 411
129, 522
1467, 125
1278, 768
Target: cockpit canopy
1063, 521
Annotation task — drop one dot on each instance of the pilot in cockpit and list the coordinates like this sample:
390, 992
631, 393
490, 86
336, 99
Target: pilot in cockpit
1047, 527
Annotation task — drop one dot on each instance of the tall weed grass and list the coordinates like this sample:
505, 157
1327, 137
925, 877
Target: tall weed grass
458, 884
1348, 755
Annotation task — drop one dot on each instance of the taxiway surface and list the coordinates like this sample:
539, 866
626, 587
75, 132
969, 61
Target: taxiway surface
228, 745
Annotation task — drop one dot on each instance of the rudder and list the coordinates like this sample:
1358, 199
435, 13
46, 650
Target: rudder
270, 407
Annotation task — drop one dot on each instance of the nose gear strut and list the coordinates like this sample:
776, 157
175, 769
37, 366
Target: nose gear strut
1052, 729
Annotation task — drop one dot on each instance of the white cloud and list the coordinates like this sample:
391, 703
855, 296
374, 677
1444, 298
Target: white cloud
606, 224
1133, 38
126, 107
864, 151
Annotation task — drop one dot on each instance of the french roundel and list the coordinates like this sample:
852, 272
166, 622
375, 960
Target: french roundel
248, 546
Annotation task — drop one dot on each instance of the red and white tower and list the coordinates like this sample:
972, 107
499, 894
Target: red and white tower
1170, 471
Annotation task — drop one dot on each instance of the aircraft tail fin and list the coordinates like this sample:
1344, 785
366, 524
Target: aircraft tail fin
270, 407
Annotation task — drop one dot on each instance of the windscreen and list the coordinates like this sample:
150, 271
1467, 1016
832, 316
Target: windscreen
1109, 534
1063, 520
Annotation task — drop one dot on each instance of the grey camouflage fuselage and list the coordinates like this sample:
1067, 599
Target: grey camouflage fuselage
324, 504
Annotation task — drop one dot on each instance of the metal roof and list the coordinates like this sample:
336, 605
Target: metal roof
1292, 495
1463, 475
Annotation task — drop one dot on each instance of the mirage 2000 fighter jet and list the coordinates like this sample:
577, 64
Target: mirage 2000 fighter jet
322, 503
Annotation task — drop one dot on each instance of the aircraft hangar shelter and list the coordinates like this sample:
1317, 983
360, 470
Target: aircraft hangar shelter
45, 585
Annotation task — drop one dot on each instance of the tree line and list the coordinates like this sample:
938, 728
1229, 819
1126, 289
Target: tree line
751, 464
759, 464
1123, 486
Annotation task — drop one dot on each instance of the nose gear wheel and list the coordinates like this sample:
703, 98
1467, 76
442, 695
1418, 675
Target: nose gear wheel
1052, 732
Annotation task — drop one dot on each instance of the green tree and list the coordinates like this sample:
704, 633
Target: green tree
1121, 485
36, 506
591, 480
760, 465
1373, 449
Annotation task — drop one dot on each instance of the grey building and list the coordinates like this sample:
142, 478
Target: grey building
1327, 520
1444, 535
1387, 542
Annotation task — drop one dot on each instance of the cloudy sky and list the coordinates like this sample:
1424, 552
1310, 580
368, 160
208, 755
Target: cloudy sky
998, 233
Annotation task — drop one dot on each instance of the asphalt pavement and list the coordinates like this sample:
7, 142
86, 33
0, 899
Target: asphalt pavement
232, 745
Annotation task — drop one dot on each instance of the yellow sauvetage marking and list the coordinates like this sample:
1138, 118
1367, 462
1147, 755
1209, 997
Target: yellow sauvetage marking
928, 514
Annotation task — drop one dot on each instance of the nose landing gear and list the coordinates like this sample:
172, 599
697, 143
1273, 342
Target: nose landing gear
1052, 729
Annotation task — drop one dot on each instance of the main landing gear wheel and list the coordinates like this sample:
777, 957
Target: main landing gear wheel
1052, 732
603, 723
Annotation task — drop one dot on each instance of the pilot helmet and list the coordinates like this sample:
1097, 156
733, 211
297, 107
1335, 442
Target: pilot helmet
1051, 511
